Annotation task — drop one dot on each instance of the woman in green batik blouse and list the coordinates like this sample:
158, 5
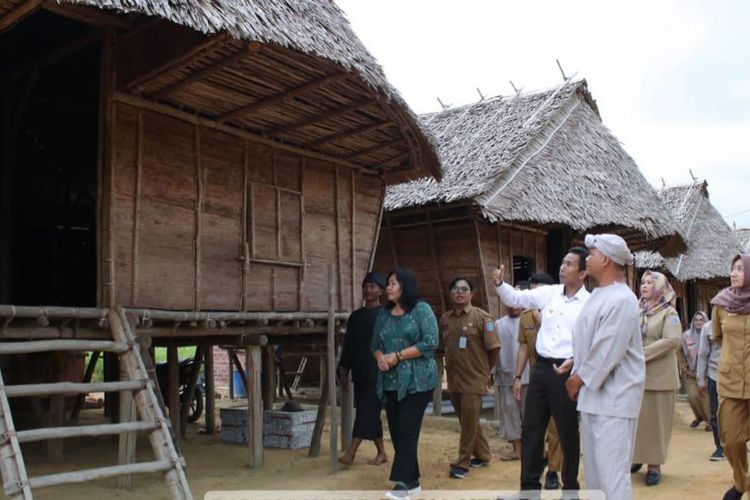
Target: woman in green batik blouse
404, 343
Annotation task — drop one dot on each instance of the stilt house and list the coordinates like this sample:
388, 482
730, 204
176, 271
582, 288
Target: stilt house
198, 165
524, 178
703, 269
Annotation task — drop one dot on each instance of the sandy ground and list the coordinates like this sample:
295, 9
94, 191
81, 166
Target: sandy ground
215, 465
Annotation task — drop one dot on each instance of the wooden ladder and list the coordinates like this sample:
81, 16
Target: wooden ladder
17, 484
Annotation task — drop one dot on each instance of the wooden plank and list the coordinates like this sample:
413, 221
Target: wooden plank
210, 389
18, 14
284, 96
254, 407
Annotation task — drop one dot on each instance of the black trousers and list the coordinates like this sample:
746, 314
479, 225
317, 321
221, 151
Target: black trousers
367, 424
546, 396
404, 423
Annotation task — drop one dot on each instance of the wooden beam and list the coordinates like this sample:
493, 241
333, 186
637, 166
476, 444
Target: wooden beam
256, 138
173, 395
89, 15
210, 389
377, 147
251, 48
334, 113
284, 96
364, 129
178, 62
18, 14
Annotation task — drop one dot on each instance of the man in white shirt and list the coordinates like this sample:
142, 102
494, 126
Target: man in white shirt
609, 372
546, 395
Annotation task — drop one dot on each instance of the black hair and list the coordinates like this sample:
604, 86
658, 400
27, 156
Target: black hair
409, 288
523, 285
461, 278
582, 253
541, 279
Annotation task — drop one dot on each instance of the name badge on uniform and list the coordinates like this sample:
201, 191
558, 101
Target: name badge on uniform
462, 342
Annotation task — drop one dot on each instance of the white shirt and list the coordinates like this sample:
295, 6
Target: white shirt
507, 334
609, 353
559, 314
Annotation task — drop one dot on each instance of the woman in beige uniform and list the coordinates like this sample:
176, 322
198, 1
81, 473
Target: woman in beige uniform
730, 326
661, 332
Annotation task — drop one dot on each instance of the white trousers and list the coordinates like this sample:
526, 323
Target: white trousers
607, 444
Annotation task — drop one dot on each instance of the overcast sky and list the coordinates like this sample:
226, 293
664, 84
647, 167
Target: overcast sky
671, 78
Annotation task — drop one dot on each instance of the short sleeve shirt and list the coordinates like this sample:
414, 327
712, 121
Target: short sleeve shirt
527, 331
466, 361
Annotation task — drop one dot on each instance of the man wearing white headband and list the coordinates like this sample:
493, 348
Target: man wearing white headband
609, 371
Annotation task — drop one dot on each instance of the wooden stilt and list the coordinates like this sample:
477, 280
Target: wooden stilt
189, 393
254, 406
268, 378
320, 418
333, 299
210, 390
174, 387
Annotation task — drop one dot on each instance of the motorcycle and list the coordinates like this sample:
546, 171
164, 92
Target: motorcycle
185, 369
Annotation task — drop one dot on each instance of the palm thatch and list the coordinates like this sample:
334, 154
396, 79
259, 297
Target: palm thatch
743, 236
543, 158
290, 70
711, 242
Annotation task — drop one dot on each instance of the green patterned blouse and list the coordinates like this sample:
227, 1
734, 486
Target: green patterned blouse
418, 328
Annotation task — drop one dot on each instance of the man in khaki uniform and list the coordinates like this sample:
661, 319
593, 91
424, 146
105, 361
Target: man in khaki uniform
470, 346
527, 332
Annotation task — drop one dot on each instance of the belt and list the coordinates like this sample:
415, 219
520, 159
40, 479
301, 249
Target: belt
550, 361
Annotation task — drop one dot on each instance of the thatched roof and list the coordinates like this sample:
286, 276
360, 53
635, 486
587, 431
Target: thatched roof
743, 235
711, 242
306, 63
542, 158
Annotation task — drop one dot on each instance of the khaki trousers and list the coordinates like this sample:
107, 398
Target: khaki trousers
734, 429
473, 441
554, 451
698, 404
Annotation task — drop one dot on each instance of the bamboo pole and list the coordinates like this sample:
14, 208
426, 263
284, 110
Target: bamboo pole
210, 390
61, 345
243, 229
83, 431
15, 480
242, 371
173, 366
17, 14
127, 440
373, 248
150, 409
435, 263
392, 233
254, 407
137, 208
112, 155
303, 256
320, 416
198, 219
480, 258
27, 390
353, 241
100, 473
331, 362
337, 212
347, 410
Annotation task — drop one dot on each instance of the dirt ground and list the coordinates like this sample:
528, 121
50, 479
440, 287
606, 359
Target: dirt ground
215, 465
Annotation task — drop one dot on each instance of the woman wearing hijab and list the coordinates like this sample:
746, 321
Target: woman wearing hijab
730, 326
691, 341
404, 344
661, 331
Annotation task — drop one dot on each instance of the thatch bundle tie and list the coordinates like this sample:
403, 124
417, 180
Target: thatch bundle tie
7, 437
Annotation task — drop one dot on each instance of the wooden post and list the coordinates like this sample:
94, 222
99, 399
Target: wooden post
230, 371
254, 406
56, 419
189, 394
173, 367
320, 417
268, 378
437, 394
210, 390
331, 358
127, 441
347, 415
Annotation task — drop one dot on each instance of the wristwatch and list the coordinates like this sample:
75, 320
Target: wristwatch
517, 377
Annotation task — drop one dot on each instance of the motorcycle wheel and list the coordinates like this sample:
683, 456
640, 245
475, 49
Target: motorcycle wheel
196, 406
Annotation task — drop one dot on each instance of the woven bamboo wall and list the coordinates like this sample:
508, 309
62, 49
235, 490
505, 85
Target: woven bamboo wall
204, 219
438, 251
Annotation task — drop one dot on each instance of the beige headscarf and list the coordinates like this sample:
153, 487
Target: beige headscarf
662, 298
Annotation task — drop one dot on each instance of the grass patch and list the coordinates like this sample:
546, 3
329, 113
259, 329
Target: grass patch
160, 353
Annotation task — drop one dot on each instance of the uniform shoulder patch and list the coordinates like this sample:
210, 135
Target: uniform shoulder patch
675, 319
490, 326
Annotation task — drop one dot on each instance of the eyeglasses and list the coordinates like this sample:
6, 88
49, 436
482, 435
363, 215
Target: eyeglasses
460, 289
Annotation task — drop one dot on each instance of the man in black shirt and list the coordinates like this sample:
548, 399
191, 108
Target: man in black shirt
357, 358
